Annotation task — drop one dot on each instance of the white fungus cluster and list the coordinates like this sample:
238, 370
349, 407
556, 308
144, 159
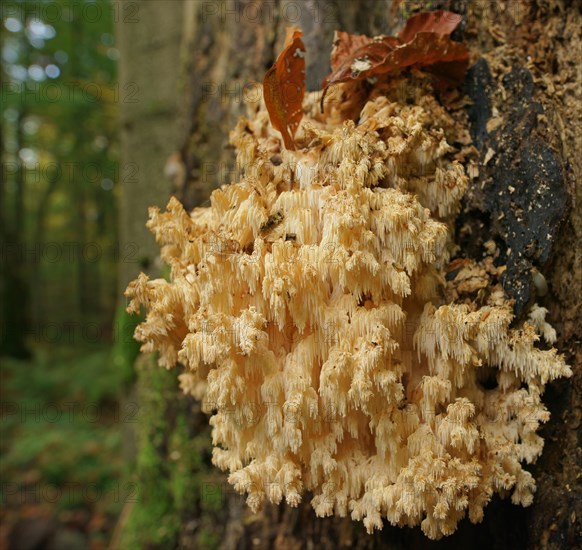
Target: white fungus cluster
307, 307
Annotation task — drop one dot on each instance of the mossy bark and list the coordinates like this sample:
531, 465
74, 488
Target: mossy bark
163, 495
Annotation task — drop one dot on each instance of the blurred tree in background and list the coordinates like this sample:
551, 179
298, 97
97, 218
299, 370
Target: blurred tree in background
60, 436
61, 173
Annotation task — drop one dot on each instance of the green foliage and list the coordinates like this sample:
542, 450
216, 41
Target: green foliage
60, 152
60, 433
208, 540
65, 375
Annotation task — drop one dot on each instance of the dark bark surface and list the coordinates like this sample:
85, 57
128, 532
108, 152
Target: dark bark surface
523, 199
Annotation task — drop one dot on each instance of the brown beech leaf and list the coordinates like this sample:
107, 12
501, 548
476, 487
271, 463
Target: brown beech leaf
441, 21
345, 44
284, 87
424, 42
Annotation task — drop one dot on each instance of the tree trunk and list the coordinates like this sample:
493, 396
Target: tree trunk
527, 77
148, 38
14, 290
149, 43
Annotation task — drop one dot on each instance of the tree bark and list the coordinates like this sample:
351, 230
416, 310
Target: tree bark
149, 37
227, 46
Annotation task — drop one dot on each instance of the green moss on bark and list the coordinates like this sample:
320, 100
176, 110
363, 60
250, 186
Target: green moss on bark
169, 488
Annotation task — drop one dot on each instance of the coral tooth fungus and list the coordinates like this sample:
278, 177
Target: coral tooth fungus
308, 307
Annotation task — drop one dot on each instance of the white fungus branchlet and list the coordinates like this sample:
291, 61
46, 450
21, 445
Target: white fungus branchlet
307, 306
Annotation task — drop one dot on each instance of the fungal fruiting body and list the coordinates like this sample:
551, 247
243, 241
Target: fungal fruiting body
309, 307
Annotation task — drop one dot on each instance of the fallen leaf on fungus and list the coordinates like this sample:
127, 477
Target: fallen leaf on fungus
440, 21
284, 87
346, 44
424, 42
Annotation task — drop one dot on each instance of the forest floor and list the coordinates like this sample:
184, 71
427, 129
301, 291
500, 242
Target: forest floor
61, 449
